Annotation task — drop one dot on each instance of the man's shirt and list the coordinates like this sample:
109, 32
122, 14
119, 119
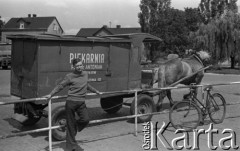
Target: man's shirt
78, 85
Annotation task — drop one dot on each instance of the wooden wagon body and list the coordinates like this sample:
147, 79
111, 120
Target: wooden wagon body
40, 62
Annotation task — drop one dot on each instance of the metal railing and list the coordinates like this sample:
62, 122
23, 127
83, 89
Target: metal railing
135, 92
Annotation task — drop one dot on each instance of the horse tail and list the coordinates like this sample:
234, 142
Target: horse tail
161, 84
161, 76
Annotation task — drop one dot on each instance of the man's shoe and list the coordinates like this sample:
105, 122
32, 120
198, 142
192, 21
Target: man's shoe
201, 123
77, 148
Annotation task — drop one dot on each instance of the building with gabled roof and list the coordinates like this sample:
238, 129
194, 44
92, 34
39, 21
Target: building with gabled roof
90, 32
31, 25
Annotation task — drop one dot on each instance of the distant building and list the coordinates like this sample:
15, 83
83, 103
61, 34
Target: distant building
31, 25
90, 32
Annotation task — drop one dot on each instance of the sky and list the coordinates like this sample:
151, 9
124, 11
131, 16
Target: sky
76, 14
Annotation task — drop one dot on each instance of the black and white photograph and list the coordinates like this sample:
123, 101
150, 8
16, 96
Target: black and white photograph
114, 75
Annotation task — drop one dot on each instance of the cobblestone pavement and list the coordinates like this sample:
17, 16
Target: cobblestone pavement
118, 136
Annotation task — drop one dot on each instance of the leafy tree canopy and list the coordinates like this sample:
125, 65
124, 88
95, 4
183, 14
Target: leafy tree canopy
157, 17
210, 9
221, 32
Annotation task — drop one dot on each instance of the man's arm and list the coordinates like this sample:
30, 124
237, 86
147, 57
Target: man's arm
60, 86
92, 89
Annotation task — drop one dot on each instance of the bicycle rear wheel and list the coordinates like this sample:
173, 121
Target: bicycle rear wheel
217, 108
185, 115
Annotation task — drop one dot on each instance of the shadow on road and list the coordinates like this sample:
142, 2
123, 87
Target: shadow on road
20, 128
95, 113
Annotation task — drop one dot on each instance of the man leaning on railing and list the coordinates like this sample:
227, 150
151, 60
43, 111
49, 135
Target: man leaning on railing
78, 86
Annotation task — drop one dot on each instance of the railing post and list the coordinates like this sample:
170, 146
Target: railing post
136, 122
203, 100
50, 124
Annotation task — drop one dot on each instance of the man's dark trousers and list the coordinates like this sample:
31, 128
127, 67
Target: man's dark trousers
74, 125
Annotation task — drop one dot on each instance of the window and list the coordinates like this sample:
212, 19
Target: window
55, 27
21, 26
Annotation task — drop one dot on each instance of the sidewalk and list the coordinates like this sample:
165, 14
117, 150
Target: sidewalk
115, 136
117, 141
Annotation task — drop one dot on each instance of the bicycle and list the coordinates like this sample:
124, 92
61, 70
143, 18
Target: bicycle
188, 114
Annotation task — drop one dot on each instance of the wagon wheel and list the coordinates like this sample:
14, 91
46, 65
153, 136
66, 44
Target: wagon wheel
59, 118
145, 105
111, 104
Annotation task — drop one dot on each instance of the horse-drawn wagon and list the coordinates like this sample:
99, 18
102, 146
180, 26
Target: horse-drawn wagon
39, 63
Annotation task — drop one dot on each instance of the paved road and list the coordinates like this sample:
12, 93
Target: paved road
114, 136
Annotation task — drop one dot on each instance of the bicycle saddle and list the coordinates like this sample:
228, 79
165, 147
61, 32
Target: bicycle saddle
208, 87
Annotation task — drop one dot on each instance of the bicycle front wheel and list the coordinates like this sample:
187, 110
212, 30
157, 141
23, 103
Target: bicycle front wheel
185, 115
217, 108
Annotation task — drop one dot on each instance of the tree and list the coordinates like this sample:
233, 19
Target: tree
150, 18
1, 22
159, 19
150, 9
193, 19
1, 26
175, 33
210, 9
221, 36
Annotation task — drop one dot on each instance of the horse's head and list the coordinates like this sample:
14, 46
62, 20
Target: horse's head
201, 56
204, 55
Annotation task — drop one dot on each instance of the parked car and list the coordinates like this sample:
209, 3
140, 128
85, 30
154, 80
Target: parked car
5, 55
5, 62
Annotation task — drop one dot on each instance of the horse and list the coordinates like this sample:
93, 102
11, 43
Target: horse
177, 68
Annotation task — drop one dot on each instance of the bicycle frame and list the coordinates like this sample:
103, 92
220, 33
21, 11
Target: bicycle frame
204, 108
195, 111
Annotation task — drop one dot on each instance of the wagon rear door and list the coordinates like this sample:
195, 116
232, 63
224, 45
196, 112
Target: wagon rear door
16, 68
23, 74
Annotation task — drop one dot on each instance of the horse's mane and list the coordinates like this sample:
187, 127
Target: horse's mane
198, 57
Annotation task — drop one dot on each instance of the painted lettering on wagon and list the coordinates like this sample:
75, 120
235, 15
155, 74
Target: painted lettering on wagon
93, 58
92, 63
